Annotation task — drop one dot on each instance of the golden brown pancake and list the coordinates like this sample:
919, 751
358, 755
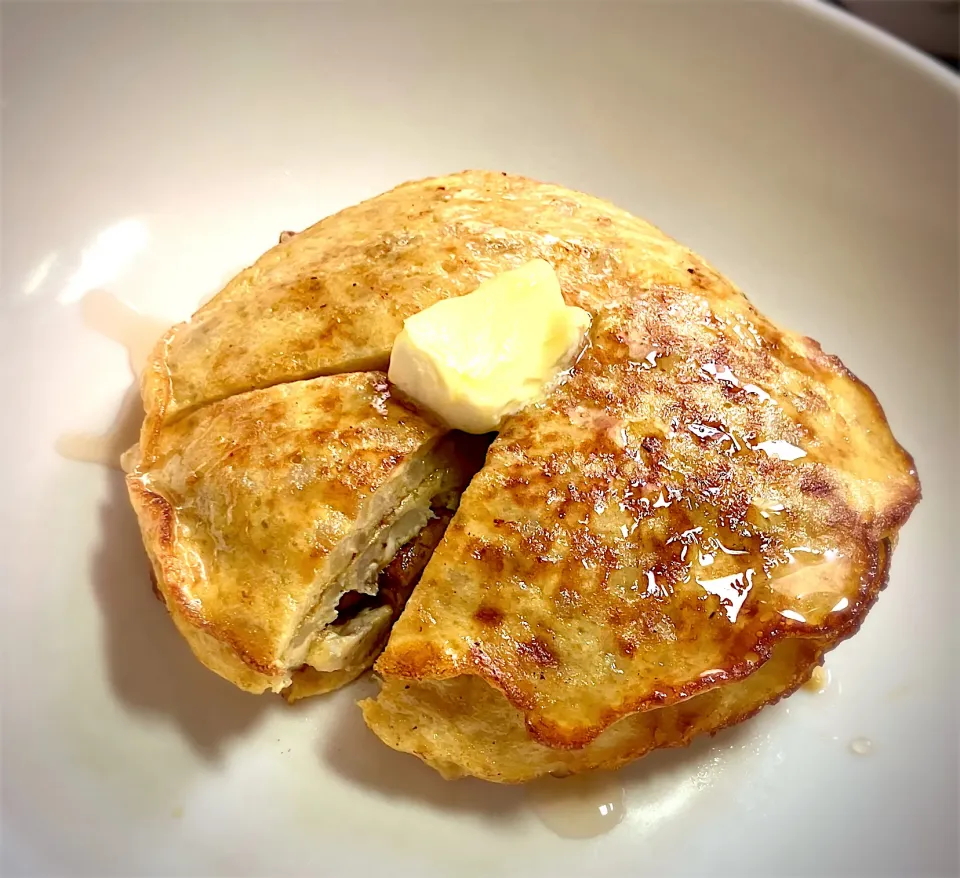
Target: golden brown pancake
264, 513
685, 508
668, 542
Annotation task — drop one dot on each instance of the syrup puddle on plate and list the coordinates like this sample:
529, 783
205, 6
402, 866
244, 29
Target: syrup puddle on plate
106, 448
106, 315
583, 806
861, 746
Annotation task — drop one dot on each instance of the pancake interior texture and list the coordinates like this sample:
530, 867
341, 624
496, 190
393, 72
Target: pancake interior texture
269, 515
670, 540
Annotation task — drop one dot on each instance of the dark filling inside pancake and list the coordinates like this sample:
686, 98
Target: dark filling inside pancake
396, 581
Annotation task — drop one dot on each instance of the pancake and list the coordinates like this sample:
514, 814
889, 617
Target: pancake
266, 513
687, 512
672, 539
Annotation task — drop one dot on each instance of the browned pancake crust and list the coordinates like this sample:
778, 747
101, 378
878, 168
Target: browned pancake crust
577, 573
462, 726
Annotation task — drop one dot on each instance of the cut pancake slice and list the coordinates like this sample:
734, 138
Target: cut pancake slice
660, 547
260, 513
348, 646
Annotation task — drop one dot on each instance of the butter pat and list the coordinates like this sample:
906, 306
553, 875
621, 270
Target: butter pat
474, 359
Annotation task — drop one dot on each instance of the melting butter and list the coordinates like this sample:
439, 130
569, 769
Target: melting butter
474, 359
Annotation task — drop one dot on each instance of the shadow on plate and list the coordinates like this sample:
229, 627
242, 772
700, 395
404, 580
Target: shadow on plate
352, 751
152, 669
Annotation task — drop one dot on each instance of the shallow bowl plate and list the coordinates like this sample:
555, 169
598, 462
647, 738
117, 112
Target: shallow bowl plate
150, 150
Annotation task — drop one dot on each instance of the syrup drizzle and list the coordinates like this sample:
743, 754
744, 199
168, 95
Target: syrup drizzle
106, 448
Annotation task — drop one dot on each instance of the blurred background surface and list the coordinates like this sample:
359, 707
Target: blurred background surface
933, 26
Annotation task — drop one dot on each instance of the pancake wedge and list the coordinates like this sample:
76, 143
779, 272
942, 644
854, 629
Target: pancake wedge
270, 518
666, 523
706, 498
395, 584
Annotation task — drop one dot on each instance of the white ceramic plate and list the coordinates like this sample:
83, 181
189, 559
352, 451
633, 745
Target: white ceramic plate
154, 149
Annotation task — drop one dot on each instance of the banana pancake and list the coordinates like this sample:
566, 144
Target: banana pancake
671, 539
